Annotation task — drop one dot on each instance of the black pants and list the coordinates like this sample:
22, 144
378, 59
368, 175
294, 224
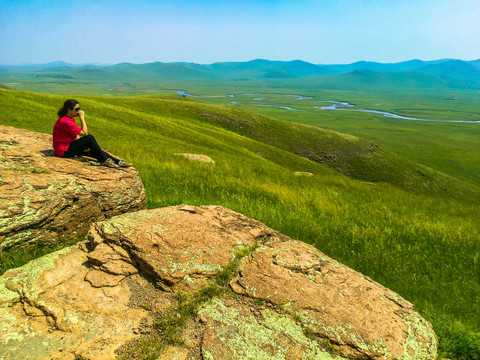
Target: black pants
87, 146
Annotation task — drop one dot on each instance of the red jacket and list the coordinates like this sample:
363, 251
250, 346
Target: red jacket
65, 132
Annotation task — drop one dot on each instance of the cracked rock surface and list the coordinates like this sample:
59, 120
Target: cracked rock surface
288, 300
46, 199
360, 316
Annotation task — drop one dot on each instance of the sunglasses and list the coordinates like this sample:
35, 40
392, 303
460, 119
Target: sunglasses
76, 109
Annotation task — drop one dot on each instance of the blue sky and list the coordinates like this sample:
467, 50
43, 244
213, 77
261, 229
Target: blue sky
204, 31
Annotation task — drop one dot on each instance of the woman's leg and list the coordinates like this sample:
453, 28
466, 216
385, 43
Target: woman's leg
87, 146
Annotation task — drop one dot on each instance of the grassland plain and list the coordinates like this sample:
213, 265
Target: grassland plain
447, 147
422, 244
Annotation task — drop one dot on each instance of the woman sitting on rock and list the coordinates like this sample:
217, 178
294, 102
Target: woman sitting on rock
70, 140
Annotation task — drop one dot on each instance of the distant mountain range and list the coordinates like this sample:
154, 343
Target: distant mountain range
47, 65
446, 71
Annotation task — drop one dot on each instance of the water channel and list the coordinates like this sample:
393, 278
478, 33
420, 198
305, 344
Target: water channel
332, 106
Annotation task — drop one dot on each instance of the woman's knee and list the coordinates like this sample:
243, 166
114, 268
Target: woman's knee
90, 139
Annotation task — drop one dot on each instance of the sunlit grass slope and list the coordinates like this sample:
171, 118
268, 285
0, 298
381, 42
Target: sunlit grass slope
347, 154
399, 227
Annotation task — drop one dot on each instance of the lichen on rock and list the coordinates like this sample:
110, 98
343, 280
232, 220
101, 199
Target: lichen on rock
362, 317
235, 332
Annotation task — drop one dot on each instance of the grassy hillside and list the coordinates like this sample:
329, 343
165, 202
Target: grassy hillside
394, 222
454, 69
448, 147
347, 154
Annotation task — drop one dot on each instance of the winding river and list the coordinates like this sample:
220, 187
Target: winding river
340, 105
332, 106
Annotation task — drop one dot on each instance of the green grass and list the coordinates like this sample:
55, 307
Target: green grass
399, 227
20, 256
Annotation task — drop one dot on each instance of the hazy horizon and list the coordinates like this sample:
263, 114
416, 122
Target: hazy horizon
206, 31
190, 62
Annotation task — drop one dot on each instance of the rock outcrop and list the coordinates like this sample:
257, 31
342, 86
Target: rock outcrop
287, 300
303, 173
46, 199
197, 157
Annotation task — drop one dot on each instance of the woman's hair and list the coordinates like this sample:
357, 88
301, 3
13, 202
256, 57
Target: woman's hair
69, 104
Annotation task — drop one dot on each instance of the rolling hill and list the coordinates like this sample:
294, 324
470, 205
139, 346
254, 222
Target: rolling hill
450, 71
368, 79
455, 69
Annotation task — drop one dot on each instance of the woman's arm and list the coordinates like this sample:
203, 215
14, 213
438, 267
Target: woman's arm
83, 124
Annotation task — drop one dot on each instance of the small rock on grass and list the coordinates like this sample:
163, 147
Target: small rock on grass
197, 157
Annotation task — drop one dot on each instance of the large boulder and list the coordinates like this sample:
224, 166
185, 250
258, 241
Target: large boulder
287, 300
47, 199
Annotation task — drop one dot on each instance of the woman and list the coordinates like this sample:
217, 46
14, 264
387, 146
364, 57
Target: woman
68, 143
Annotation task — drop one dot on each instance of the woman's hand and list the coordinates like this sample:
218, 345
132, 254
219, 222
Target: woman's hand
81, 114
